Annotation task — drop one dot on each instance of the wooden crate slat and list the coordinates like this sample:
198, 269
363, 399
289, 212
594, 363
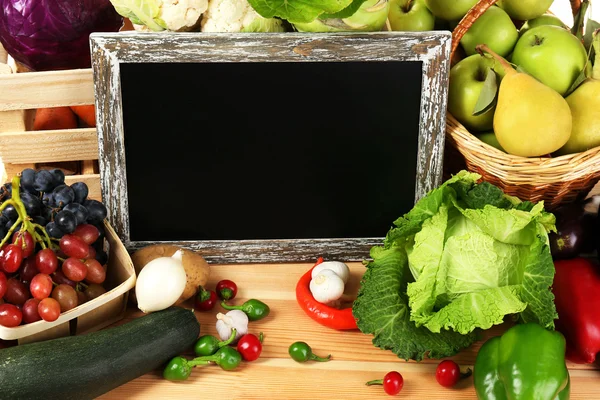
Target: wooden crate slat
46, 89
91, 180
49, 146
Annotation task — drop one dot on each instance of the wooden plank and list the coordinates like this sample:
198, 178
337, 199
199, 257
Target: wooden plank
49, 146
354, 359
46, 89
91, 180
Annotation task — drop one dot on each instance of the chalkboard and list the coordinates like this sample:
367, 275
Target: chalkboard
268, 147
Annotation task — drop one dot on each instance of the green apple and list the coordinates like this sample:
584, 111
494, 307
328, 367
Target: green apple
466, 82
450, 9
524, 10
552, 55
494, 28
546, 19
491, 139
410, 15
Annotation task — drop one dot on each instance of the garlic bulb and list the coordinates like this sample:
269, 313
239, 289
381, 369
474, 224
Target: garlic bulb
160, 283
234, 319
338, 267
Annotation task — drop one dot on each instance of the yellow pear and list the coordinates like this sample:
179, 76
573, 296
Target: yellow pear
585, 109
531, 119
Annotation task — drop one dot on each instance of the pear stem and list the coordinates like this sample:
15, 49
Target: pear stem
408, 6
508, 69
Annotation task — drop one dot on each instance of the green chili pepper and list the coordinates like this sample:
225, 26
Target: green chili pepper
208, 345
302, 352
178, 369
226, 357
254, 309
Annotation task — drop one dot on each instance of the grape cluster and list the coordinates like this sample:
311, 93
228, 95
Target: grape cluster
51, 203
52, 255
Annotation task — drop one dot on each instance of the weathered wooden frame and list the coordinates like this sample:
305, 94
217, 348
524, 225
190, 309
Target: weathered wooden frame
110, 50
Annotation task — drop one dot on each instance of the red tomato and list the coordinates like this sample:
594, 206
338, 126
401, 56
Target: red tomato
205, 300
447, 373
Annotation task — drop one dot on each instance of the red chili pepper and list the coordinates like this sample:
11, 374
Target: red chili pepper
205, 300
323, 314
576, 289
226, 289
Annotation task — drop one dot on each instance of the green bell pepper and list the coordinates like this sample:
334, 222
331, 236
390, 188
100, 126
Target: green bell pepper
526, 363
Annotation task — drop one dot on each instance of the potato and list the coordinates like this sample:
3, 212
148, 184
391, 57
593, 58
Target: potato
196, 268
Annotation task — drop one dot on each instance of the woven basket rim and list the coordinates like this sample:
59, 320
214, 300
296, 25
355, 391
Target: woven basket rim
522, 170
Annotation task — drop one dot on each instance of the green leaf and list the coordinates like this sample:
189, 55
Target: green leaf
489, 94
346, 12
583, 75
579, 19
141, 12
590, 27
537, 278
381, 309
478, 196
301, 11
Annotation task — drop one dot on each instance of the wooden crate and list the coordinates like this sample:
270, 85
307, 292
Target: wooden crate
21, 147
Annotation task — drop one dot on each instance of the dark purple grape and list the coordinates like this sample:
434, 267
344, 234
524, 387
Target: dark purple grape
47, 213
27, 181
54, 231
101, 257
66, 221
39, 220
48, 199
58, 175
32, 204
63, 195
11, 222
10, 213
81, 192
97, 211
81, 213
43, 181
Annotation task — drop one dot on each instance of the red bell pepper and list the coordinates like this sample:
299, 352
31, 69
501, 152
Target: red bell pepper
577, 297
323, 314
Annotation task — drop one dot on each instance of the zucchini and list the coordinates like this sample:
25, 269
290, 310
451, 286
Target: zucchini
86, 366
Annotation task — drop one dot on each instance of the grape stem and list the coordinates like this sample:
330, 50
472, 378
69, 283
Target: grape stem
23, 218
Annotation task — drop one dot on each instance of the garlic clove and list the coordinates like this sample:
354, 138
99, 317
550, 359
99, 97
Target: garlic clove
338, 267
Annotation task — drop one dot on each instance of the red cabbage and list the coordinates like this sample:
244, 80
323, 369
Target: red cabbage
54, 34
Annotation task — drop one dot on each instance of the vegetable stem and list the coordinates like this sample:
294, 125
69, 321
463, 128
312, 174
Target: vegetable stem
375, 382
228, 341
320, 359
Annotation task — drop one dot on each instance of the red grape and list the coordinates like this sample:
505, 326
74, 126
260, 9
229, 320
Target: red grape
94, 290
3, 284
74, 269
66, 297
95, 271
74, 246
81, 297
28, 269
13, 257
59, 278
46, 261
30, 311
25, 242
10, 315
49, 309
91, 252
88, 233
16, 292
41, 286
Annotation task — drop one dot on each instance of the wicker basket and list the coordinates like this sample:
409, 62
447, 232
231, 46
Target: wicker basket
556, 181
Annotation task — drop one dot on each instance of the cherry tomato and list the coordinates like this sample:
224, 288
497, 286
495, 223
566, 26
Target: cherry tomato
205, 300
13, 257
447, 373
392, 383
10, 315
226, 289
250, 347
25, 241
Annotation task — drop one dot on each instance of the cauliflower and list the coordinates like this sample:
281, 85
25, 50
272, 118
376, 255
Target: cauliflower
158, 15
237, 16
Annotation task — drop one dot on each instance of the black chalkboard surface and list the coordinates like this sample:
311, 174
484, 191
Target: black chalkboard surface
268, 147
329, 153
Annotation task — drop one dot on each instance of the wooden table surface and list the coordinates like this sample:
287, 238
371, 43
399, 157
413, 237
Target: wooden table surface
276, 376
